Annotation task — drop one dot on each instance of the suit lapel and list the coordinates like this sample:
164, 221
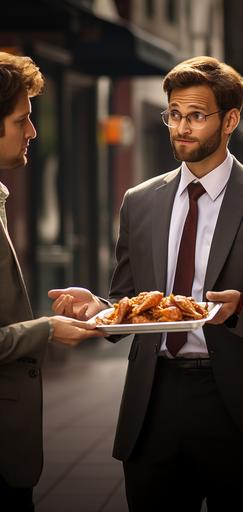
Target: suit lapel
229, 218
163, 202
20, 275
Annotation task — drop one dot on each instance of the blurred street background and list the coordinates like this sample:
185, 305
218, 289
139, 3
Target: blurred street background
98, 121
99, 132
82, 393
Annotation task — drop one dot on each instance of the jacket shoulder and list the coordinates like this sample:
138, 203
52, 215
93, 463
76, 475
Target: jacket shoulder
153, 183
237, 165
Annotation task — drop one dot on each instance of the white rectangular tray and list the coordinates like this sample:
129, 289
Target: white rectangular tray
186, 325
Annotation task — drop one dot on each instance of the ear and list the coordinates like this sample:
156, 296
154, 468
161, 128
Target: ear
231, 120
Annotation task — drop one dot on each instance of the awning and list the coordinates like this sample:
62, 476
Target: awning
104, 47
97, 45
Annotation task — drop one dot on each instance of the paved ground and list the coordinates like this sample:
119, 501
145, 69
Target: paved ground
82, 392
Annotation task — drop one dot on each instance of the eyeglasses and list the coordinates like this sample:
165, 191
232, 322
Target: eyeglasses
196, 120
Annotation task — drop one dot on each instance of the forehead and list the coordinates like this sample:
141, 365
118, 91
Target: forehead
198, 96
23, 105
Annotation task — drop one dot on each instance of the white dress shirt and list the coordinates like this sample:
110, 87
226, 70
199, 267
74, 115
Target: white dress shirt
208, 209
4, 193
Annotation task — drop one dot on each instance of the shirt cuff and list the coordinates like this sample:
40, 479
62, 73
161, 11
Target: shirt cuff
240, 305
106, 302
51, 331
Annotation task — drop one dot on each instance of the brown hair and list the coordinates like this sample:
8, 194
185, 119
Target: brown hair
17, 73
224, 80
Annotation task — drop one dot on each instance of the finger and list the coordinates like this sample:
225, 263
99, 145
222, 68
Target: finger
89, 326
215, 296
79, 335
58, 306
68, 309
224, 296
61, 306
80, 311
93, 309
55, 293
75, 291
217, 319
224, 313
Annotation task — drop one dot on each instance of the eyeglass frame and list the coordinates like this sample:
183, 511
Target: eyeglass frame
187, 116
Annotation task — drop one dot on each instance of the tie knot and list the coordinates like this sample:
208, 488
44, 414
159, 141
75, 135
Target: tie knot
195, 190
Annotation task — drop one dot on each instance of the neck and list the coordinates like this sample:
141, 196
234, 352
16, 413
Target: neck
200, 169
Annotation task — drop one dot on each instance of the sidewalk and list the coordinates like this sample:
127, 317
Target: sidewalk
82, 393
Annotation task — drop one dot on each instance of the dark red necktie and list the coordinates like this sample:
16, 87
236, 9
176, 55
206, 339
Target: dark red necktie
185, 268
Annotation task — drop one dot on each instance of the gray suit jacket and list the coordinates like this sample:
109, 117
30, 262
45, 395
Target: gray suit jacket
22, 345
142, 266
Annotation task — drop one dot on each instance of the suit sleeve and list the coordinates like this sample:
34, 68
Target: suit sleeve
122, 283
24, 339
237, 327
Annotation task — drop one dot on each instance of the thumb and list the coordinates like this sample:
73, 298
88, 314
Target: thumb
213, 296
90, 325
54, 294
75, 291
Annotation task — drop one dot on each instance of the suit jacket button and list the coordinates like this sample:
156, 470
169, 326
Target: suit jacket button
34, 372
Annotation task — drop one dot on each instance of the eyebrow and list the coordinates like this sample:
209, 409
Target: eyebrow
192, 105
23, 115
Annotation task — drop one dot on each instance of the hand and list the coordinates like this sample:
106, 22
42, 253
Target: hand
75, 302
72, 332
230, 300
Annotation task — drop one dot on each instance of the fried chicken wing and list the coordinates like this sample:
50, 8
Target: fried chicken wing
153, 306
170, 314
122, 309
187, 306
150, 300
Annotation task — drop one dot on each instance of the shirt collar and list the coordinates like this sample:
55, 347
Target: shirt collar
214, 182
4, 193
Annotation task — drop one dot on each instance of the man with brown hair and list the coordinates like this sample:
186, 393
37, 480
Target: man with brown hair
23, 340
180, 429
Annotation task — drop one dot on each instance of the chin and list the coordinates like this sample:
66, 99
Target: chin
16, 164
21, 162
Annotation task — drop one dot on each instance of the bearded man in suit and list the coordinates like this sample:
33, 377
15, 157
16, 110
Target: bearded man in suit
180, 428
23, 340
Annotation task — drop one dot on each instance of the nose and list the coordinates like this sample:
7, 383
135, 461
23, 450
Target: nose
183, 126
31, 131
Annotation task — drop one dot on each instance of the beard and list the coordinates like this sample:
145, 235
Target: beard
11, 165
204, 150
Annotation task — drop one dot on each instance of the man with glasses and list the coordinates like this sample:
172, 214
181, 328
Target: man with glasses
180, 429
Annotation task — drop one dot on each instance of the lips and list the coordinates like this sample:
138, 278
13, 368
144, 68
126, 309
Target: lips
185, 141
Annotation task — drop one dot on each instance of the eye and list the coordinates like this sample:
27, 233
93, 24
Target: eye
175, 115
199, 117
21, 121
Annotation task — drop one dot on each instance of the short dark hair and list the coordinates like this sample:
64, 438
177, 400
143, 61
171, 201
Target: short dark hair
224, 80
17, 74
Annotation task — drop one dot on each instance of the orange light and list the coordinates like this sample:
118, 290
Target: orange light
117, 130
112, 130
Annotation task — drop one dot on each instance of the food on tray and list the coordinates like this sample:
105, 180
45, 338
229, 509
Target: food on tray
153, 306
